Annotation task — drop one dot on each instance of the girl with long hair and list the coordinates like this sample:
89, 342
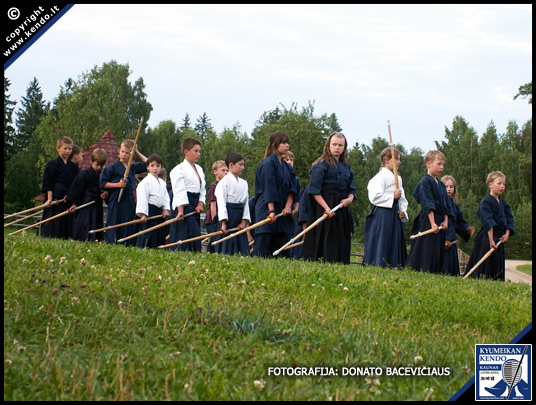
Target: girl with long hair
331, 184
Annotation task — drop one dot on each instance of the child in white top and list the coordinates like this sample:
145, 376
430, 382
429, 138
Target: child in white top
233, 208
152, 199
385, 245
189, 195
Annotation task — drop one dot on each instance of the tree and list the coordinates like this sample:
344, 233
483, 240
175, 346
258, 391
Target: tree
520, 246
99, 100
22, 181
333, 123
164, 140
22, 176
186, 121
33, 109
217, 146
270, 117
525, 91
203, 127
359, 208
525, 160
510, 156
461, 154
489, 146
9, 130
307, 133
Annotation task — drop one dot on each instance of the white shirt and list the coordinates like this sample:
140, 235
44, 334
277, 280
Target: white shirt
183, 179
231, 189
381, 188
151, 190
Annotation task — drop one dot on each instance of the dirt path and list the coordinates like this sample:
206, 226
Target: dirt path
517, 276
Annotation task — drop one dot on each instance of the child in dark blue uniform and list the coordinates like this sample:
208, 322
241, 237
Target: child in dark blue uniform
275, 188
57, 179
112, 181
86, 188
497, 221
426, 253
76, 155
457, 225
295, 252
331, 184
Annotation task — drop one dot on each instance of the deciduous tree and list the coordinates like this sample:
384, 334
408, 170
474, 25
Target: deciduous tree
99, 100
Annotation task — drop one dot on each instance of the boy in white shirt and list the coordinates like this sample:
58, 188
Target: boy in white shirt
152, 199
189, 194
233, 209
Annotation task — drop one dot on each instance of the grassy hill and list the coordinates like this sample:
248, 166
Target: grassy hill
89, 321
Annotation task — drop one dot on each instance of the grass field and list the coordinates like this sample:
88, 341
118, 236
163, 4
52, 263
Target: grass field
525, 268
98, 322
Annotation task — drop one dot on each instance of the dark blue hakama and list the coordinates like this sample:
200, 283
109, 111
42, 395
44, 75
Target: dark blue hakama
187, 228
385, 245
496, 214
58, 178
297, 252
86, 188
426, 252
274, 181
331, 239
156, 237
457, 225
214, 226
239, 244
124, 210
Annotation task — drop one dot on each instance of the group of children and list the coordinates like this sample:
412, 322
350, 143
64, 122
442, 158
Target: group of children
277, 198
434, 252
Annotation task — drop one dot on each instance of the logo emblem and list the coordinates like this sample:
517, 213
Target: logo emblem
503, 372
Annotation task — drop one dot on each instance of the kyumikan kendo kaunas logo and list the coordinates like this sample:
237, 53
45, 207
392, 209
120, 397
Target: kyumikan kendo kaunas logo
503, 372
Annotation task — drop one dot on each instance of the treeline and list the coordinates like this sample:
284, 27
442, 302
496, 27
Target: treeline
103, 99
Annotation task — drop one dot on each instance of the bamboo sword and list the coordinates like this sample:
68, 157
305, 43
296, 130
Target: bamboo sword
298, 236
39, 207
134, 221
482, 260
395, 170
169, 221
202, 237
132, 152
256, 225
432, 230
61, 214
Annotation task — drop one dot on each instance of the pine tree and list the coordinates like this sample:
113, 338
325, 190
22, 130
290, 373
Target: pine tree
525, 91
186, 122
9, 130
33, 109
203, 126
22, 177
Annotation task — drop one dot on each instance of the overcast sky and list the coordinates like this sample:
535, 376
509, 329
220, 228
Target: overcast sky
418, 66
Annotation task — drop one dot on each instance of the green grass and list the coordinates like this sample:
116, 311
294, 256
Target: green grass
525, 268
135, 324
